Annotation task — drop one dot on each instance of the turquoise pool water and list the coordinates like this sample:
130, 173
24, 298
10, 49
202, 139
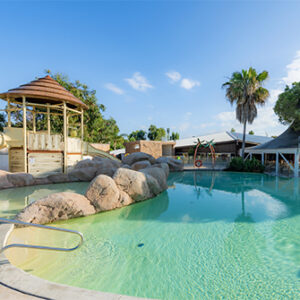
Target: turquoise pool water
209, 236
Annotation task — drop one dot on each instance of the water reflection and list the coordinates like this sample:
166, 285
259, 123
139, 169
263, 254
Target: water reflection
260, 196
13, 200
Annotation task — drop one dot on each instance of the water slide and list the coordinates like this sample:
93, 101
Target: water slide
11, 136
89, 149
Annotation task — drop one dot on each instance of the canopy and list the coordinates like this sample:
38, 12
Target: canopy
288, 139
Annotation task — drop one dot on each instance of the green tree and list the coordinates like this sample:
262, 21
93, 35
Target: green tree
251, 132
168, 134
2, 122
287, 106
245, 90
156, 134
137, 135
174, 136
232, 130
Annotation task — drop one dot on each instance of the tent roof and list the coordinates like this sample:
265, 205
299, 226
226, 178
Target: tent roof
288, 139
43, 90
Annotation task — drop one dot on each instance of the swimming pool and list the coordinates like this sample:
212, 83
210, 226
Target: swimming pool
210, 235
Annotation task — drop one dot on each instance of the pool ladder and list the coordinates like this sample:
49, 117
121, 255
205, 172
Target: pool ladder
5, 247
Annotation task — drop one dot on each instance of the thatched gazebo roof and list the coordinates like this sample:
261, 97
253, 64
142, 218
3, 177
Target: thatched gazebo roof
43, 90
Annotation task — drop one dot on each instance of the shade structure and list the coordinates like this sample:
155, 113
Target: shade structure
43, 90
288, 139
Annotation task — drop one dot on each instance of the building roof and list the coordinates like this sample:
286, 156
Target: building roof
43, 90
222, 137
288, 139
118, 151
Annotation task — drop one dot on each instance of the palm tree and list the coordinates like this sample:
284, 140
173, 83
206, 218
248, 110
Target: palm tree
246, 91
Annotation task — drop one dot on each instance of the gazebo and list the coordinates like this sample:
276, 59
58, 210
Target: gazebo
42, 152
285, 146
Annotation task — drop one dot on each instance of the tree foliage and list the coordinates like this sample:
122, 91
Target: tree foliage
2, 122
287, 106
251, 132
156, 134
137, 135
245, 90
174, 136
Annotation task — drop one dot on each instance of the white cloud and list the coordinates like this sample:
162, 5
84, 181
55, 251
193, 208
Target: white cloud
293, 70
189, 83
138, 82
173, 76
112, 87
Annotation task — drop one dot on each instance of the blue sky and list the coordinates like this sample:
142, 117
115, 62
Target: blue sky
155, 62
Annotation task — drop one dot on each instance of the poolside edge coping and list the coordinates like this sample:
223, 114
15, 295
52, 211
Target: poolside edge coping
17, 284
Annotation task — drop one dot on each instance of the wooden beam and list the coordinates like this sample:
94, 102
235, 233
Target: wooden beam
74, 110
65, 139
48, 119
8, 113
53, 106
24, 133
82, 132
33, 120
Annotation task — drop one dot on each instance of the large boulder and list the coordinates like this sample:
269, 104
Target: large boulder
137, 185
102, 165
164, 166
140, 165
174, 164
137, 156
58, 178
20, 179
159, 174
82, 174
57, 206
104, 194
4, 182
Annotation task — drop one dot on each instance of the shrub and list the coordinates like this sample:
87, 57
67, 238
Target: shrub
249, 165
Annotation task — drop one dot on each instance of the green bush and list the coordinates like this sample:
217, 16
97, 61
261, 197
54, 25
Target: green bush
249, 165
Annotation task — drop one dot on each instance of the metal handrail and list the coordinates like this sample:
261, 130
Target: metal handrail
36, 246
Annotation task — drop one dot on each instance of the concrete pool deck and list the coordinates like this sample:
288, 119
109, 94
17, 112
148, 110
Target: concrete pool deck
16, 284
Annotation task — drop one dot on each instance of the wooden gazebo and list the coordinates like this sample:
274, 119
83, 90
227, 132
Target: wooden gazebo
41, 152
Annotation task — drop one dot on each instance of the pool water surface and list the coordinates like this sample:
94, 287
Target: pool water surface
211, 235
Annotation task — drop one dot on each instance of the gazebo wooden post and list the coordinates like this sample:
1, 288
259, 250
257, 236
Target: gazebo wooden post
65, 138
82, 132
24, 133
48, 119
33, 120
8, 113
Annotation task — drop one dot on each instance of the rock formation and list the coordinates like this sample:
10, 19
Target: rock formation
113, 185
